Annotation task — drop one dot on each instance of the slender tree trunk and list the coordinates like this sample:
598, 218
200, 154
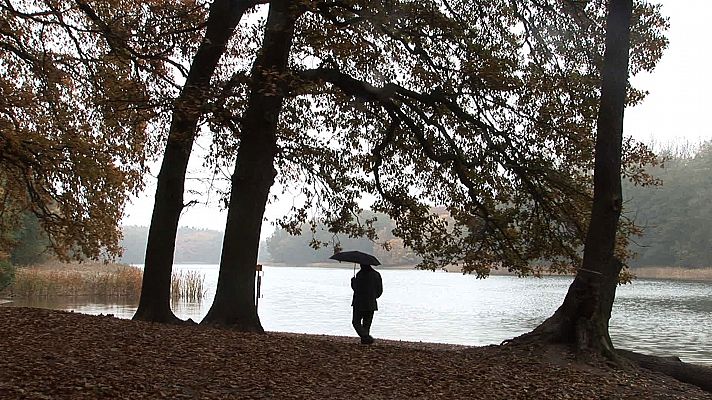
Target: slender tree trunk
154, 304
234, 302
583, 317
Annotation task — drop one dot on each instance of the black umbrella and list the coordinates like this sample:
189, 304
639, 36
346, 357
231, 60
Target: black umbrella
357, 257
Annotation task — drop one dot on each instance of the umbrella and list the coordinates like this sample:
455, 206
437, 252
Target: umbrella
357, 257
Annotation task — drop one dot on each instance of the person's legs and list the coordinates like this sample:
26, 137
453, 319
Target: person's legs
367, 319
356, 322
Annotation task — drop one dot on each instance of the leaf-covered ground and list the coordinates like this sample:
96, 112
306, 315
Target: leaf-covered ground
57, 355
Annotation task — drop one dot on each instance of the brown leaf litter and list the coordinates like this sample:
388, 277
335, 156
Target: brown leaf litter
48, 354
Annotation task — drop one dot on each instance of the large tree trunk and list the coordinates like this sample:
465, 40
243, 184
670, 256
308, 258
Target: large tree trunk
582, 320
583, 317
234, 303
154, 304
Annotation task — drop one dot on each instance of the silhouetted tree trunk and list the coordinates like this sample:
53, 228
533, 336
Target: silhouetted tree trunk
154, 304
583, 317
234, 302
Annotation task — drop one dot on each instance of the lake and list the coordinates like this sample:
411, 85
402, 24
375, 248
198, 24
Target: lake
661, 317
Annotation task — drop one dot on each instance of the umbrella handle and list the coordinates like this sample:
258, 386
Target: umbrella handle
354, 269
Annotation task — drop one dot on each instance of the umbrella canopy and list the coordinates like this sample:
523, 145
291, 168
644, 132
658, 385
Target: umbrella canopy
357, 257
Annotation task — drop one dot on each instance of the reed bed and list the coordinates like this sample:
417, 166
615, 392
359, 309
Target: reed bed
121, 282
188, 286
112, 281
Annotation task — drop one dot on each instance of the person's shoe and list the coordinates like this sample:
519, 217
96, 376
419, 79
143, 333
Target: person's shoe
367, 340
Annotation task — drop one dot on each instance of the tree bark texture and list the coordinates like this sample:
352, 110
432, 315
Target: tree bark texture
234, 303
154, 304
583, 317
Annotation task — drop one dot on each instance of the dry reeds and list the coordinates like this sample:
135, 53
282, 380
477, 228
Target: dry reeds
187, 286
113, 281
121, 282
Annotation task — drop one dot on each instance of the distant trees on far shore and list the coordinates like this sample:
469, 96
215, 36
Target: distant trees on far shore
299, 250
677, 216
193, 245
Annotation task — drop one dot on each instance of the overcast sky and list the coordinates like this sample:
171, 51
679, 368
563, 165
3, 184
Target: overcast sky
677, 108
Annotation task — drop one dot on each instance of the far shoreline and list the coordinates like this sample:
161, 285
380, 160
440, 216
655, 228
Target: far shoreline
649, 272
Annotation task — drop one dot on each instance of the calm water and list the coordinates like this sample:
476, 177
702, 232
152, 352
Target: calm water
657, 317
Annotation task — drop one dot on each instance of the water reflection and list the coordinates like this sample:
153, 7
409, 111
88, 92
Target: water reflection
657, 317
120, 308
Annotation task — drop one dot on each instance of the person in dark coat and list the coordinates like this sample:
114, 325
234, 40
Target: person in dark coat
367, 286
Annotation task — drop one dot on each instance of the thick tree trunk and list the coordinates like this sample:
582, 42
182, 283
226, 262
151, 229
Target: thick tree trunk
154, 304
583, 317
234, 303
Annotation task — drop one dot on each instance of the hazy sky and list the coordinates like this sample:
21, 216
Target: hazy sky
679, 99
675, 110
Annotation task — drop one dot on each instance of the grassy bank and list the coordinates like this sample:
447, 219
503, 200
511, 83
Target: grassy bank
672, 273
96, 280
676, 273
139, 360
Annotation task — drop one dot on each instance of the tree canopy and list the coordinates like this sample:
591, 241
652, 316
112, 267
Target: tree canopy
82, 86
486, 109
673, 216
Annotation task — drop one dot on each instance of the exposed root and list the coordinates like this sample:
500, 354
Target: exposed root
698, 375
160, 317
251, 325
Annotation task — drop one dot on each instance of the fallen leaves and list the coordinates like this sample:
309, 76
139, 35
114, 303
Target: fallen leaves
53, 354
